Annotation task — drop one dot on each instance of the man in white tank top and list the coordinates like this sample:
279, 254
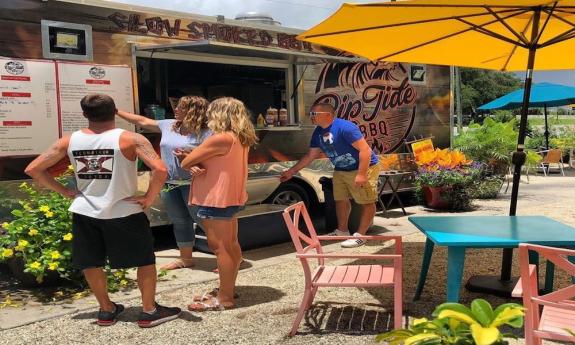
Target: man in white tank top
108, 220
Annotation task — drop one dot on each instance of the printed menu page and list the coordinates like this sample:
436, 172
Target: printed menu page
28, 106
77, 80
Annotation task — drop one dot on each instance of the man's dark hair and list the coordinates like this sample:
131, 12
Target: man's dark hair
98, 107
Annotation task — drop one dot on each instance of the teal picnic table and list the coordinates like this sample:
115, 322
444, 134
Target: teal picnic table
458, 233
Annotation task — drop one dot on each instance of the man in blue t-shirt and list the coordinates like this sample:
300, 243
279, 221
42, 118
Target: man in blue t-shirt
356, 169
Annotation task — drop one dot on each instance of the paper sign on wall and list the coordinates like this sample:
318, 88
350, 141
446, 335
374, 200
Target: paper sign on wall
28, 106
77, 80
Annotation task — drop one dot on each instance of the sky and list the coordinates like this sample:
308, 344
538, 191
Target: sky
300, 14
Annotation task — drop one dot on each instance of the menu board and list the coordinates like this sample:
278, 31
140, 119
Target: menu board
28, 106
76, 80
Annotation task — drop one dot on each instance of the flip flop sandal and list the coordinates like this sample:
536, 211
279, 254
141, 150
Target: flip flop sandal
177, 264
214, 305
209, 295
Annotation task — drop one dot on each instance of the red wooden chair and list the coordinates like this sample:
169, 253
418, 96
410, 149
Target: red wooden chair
343, 275
547, 316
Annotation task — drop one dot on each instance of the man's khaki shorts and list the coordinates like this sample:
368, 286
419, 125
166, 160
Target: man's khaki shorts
344, 186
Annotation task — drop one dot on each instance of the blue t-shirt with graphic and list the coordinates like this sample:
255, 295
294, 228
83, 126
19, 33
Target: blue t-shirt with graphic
335, 141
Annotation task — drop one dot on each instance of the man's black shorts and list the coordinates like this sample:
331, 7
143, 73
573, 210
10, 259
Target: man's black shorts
126, 242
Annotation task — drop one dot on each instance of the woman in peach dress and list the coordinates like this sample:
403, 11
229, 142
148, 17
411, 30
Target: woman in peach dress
219, 191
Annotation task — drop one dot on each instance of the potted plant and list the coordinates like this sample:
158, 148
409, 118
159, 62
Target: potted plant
444, 177
36, 242
455, 323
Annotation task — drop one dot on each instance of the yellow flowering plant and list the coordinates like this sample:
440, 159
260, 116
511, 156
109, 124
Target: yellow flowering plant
450, 170
442, 159
456, 324
39, 234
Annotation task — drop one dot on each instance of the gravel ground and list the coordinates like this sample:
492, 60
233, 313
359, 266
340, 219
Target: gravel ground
269, 296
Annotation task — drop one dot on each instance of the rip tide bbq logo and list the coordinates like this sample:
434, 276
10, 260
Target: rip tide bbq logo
378, 98
94, 164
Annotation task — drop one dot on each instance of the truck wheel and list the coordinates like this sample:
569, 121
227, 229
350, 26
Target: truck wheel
289, 193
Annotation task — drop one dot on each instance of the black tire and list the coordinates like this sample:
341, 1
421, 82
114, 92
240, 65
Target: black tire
289, 193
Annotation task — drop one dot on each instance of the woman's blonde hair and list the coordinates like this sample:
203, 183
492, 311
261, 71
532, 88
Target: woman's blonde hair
195, 118
229, 114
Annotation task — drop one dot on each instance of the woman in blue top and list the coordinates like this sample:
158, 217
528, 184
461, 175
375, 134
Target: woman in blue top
187, 130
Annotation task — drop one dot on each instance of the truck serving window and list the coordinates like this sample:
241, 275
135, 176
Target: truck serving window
258, 87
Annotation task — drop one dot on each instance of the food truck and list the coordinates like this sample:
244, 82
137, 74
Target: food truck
54, 52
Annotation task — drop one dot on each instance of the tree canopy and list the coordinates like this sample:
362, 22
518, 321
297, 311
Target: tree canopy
479, 86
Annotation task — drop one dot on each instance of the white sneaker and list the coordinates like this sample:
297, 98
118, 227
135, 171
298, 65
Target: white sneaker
354, 242
338, 232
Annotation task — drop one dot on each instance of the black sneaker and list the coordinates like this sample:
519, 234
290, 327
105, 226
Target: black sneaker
161, 315
108, 318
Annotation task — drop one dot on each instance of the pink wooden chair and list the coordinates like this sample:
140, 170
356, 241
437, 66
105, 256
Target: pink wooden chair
546, 316
343, 275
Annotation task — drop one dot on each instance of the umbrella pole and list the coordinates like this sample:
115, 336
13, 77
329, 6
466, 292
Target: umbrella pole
546, 127
505, 284
518, 158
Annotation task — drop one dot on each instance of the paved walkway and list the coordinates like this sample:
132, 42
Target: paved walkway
40, 304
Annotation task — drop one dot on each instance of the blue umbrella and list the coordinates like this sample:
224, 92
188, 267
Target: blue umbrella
542, 95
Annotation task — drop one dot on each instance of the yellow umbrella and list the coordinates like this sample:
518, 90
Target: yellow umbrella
507, 35
490, 34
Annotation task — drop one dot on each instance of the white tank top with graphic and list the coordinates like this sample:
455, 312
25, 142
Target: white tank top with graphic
104, 176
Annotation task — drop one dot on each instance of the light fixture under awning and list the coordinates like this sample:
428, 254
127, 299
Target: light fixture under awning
229, 49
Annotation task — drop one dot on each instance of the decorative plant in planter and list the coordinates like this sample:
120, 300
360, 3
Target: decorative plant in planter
457, 324
444, 178
38, 239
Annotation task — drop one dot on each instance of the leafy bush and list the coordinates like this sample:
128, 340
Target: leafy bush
533, 158
503, 116
455, 323
487, 187
40, 233
564, 140
8, 202
536, 140
490, 143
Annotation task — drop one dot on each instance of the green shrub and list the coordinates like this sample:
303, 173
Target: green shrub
40, 233
503, 116
487, 187
490, 143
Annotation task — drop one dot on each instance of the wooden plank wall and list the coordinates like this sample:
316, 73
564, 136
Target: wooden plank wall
24, 40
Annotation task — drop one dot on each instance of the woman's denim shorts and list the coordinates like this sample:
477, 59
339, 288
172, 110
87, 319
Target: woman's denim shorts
225, 213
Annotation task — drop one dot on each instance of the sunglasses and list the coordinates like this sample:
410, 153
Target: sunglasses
316, 113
